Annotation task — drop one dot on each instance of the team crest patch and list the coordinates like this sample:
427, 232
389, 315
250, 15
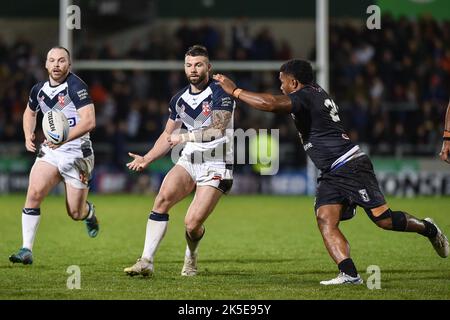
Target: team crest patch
206, 109
364, 195
61, 99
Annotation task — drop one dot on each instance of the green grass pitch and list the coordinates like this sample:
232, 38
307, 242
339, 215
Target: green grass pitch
255, 247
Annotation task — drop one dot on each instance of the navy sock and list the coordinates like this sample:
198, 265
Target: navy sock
348, 267
32, 211
158, 216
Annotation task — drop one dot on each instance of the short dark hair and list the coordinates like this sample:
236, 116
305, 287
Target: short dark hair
299, 69
197, 50
62, 48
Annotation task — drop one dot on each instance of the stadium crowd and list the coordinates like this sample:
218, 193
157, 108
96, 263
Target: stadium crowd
392, 84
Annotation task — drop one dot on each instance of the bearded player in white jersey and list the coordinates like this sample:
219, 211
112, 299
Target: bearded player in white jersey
205, 163
71, 162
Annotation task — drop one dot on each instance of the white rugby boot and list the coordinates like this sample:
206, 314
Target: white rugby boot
190, 266
440, 241
343, 278
142, 267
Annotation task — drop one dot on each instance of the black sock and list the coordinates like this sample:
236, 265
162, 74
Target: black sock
348, 267
430, 229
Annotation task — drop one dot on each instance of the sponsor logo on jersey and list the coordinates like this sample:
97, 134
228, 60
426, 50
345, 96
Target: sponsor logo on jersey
226, 102
82, 94
72, 122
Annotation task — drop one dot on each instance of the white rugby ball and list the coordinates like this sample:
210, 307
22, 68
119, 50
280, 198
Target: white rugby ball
55, 126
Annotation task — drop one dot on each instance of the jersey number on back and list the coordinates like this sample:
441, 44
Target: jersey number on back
333, 110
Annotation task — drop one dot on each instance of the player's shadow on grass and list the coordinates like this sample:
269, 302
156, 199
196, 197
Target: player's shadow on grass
239, 261
296, 264
413, 271
428, 274
299, 272
41, 267
254, 260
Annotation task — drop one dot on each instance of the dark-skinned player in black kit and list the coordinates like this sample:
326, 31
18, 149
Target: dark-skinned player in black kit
347, 178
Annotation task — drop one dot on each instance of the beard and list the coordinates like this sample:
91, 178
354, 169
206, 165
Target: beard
58, 76
199, 79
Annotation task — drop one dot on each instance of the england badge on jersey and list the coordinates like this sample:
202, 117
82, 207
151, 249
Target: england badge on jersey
61, 99
206, 109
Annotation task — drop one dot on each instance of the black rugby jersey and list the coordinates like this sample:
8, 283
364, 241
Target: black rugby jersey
316, 117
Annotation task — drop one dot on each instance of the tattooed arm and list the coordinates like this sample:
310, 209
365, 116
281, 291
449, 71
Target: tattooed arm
219, 122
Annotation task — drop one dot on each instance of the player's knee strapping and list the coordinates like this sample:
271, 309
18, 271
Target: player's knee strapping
399, 221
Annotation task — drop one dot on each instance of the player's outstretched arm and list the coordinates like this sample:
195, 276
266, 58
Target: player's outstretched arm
260, 101
160, 148
29, 125
445, 152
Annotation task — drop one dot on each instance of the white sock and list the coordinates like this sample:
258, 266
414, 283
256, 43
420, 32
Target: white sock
156, 229
90, 212
191, 253
30, 223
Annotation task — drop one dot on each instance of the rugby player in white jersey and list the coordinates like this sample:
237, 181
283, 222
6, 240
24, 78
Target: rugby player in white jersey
207, 113
71, 162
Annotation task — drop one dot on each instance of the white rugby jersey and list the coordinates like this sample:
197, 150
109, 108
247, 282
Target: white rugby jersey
68, 97
195, 109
